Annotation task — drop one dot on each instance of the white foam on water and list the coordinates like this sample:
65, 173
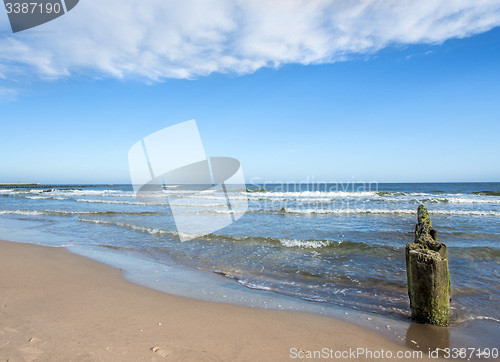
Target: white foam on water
341, 211
43, 212
314, 194
294, 243
314, 299
152, 231
59, 212
468, 200
180, 192
487, 318
222, 197
115, 202
22, 212
252, 285
201, 205
80, 193
397, 196
186, 236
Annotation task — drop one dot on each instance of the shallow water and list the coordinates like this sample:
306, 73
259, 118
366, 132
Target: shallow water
333, 244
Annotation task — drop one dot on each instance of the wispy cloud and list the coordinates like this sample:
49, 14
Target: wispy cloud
159, 39
7, 94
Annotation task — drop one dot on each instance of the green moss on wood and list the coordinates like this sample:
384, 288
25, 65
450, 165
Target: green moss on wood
428, 274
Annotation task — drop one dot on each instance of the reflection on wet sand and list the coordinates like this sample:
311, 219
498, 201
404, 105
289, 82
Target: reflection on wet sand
426, 337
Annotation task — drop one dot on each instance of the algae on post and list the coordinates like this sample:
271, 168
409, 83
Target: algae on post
427, 274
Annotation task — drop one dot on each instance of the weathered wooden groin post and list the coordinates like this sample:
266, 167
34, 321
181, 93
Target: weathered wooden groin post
427, 273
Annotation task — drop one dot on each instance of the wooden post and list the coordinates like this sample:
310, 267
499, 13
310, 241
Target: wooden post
427, 273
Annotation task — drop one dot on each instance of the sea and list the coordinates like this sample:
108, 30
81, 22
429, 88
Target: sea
323, 244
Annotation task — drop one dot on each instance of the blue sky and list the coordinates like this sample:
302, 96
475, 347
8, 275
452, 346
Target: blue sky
404, 110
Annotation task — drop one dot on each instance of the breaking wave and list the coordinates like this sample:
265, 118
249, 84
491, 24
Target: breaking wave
389, 211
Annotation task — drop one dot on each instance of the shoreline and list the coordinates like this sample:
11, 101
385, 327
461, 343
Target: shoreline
174, 279
57, 305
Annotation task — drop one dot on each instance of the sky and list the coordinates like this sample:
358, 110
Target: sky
304, 91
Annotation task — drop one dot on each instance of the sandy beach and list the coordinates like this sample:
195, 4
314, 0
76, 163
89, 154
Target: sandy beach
57, 306
249, 181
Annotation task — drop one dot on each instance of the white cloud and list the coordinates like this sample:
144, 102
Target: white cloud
7, 94
158, 39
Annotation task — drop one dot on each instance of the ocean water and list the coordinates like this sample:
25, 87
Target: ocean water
331, 244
